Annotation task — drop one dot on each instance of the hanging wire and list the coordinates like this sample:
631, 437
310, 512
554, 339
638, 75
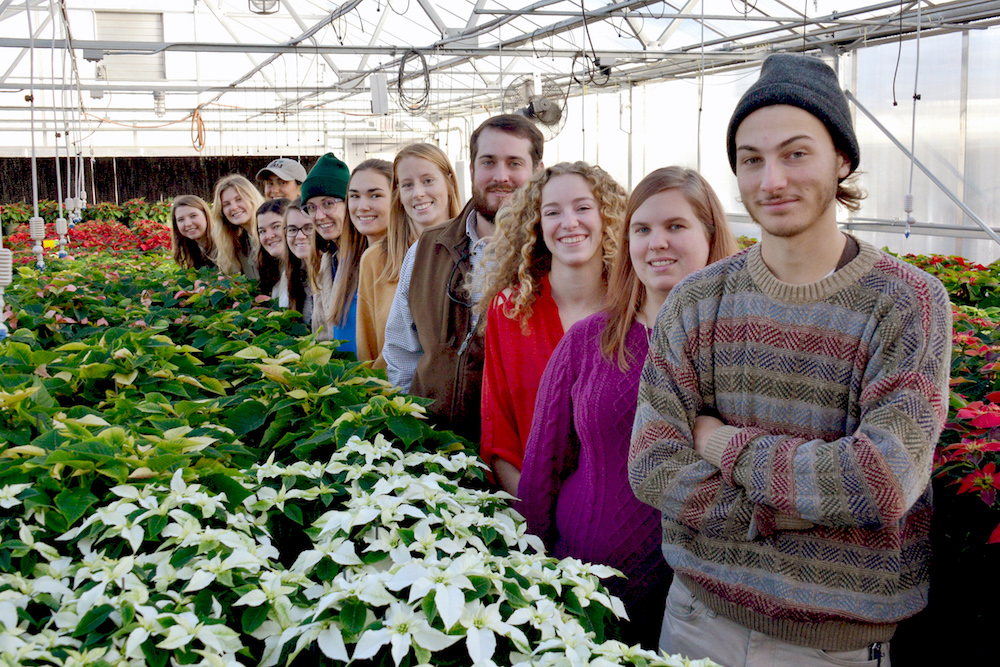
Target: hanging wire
908, 198
701, 82
55, 113
418, 102
36, 224
899, 53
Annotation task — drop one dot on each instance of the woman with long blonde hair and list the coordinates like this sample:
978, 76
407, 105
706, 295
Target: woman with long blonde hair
574, 486
191, 224
234, 208
550, 258
424, 194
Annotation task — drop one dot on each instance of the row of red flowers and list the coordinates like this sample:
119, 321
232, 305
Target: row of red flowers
96, 236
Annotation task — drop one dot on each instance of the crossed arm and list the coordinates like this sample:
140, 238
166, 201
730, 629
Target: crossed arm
703, 472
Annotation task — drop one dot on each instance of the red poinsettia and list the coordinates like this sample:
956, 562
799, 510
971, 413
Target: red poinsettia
984, 481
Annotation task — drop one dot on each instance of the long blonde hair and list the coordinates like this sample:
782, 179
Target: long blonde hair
626, 293
401, 233
187, 252
230, 240
517, 253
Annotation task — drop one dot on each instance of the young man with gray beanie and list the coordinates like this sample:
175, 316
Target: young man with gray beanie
790, 405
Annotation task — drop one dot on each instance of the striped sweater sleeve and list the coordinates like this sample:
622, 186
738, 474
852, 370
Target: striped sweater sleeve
759, 479
664, 469
873, 475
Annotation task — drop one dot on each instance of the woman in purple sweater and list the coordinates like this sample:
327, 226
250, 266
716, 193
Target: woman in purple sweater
574, 487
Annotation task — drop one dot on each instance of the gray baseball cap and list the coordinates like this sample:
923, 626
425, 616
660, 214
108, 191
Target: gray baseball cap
284, 168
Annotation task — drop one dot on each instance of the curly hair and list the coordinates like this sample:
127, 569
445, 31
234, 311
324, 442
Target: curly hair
231, 240
186, 252
517, 255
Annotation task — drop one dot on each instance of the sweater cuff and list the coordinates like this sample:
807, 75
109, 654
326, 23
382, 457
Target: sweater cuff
716, 445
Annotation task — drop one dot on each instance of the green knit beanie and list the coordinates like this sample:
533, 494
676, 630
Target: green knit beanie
328, 178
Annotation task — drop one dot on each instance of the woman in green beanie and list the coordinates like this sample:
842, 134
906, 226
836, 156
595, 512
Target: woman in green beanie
334, 280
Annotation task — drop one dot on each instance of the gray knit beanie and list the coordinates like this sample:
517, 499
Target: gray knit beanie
804, 82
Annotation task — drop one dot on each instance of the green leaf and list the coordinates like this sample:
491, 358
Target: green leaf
182, 555
572, 602
155, 657
246, 417
93, 619
407, 429
94, 371
353, 615
482, 585
429, 606
254, 617
515, 596
294, 513
235, 493
155, 525
74, 503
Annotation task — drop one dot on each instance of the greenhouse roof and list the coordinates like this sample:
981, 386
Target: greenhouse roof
182, 64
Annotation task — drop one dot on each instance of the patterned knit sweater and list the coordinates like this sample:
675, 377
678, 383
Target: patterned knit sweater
574, 485
808, 516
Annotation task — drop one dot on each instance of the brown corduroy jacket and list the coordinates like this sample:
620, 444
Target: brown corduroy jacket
450, 371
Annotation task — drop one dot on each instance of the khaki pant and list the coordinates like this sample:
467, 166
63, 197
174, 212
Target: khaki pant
695, 631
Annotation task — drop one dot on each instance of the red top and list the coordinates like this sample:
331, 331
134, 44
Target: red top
512, 372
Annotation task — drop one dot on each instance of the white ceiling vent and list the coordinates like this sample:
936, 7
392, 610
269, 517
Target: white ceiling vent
134, 27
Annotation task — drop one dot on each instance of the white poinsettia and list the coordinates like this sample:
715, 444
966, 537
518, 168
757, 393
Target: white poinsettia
448, 580
482, 624
188, 627
9, 493
403, 628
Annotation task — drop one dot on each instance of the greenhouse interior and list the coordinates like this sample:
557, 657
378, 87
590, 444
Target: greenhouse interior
189, 476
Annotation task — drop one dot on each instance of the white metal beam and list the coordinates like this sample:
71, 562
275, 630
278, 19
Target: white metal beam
433, 16
302, 26
674, 24
20, 56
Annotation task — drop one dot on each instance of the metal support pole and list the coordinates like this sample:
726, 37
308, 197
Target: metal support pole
927, 172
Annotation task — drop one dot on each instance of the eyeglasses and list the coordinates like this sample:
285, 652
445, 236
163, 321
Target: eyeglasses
291, 231
329, 205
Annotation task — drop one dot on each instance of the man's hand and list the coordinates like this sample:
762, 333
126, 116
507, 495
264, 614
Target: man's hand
704, 427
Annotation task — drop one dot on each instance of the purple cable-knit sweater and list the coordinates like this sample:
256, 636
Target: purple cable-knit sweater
574, 484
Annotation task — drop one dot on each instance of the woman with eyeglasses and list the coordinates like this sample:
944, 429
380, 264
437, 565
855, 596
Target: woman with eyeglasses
574, 486
339, 246
424, 194
549, 258
234, 209
191, 232
271, 230
300, 234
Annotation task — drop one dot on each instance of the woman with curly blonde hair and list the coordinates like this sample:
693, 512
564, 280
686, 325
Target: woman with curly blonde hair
550, 258
234, 210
